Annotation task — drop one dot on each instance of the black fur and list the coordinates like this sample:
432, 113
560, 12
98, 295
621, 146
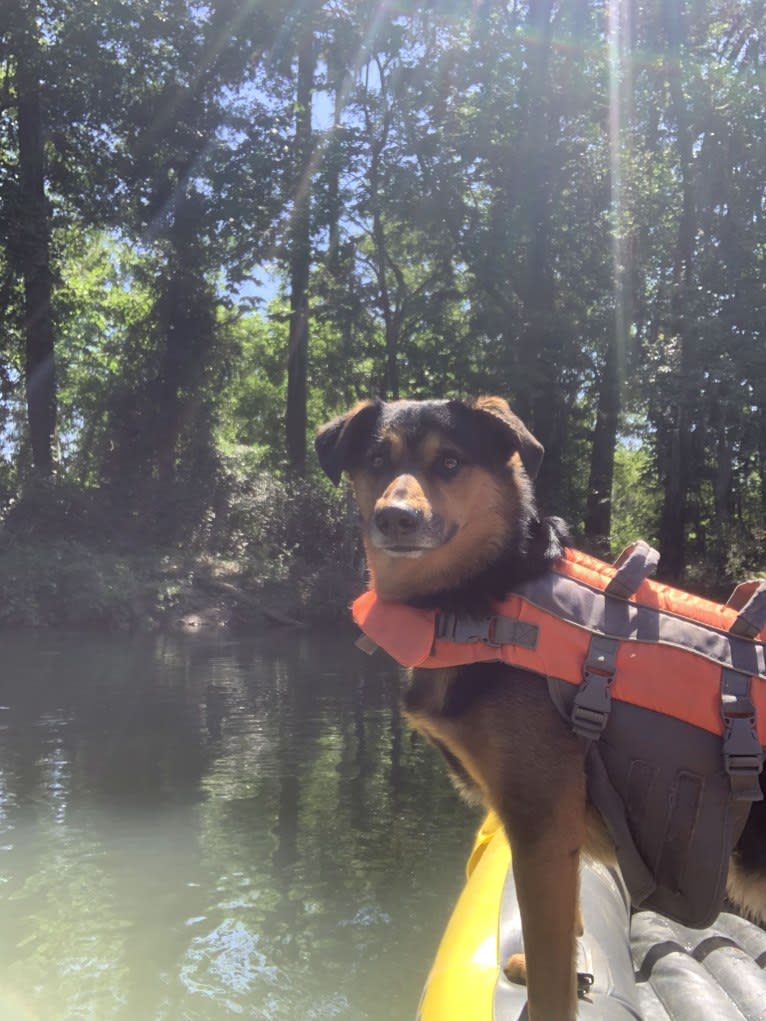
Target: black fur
486, 437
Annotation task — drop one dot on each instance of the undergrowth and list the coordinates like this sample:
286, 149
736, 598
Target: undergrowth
71, 557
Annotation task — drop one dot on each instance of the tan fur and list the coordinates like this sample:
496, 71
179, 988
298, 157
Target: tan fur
474, 504
747, 892
529, 769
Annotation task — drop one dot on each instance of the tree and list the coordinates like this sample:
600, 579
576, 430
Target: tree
300, 247
449, 211
197, 151
701, 218
28, 228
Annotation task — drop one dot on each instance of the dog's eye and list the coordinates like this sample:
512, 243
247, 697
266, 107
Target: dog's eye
449, 464
377, 460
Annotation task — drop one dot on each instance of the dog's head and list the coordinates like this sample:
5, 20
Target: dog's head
442, 487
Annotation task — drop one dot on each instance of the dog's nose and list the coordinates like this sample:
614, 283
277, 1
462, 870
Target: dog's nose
398, 521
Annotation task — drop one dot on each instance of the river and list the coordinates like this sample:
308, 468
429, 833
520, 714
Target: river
207, 827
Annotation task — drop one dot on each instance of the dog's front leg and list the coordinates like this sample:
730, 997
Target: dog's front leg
546, 858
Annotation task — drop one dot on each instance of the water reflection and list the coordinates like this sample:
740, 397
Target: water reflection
201, 828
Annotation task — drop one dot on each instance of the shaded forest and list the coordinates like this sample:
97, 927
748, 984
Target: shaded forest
221, 223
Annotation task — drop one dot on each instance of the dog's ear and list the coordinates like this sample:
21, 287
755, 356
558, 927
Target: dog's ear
336, 441
521, 439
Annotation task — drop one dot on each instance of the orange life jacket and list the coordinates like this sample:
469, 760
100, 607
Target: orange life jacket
604, 636
670, 646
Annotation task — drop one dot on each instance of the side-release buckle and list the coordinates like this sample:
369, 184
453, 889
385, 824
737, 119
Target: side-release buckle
493, 630
459, 627
742, 752
593, 701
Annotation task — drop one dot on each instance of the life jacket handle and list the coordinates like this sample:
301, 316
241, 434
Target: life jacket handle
749, 598
634, 565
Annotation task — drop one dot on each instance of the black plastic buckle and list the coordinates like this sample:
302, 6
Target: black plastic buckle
593, 701
592, 706
742, 752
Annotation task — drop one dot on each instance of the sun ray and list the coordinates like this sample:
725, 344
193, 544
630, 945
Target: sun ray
620, 90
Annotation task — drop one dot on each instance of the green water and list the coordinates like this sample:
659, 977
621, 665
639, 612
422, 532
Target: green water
205, 828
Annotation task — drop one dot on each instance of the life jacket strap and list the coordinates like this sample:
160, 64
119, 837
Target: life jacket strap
493, 630
634, 565
366, 644
742, 752
750, 599
593, 701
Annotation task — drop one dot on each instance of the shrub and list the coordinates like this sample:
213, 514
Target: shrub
65, 583
270, 520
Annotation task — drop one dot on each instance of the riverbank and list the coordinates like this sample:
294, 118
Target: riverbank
283, 550
67, 583
258, 546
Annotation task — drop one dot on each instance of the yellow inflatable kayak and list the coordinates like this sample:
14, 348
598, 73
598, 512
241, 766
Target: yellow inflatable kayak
644, 966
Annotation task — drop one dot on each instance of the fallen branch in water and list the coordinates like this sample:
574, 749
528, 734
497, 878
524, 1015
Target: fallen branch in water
247, 599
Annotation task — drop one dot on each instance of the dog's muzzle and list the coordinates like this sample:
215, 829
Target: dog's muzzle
403, 530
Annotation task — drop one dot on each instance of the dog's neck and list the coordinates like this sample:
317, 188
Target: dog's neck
542, 545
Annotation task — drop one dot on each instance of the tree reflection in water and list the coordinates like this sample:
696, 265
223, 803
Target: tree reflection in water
203, 827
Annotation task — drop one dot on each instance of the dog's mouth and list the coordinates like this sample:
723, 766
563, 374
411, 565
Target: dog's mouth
424, 536
405, 551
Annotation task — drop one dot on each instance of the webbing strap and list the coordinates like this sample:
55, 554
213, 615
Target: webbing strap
742, 752
493, 630
366, 644
752, 615
593, 701
634, 565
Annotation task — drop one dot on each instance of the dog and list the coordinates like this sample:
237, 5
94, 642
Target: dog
449, 520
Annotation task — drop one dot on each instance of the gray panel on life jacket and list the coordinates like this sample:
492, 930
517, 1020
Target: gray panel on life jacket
662, 790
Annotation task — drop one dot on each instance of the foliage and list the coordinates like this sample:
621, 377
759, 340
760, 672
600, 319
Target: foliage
68, 583
252, 406
290, 530
636, 501
559, 202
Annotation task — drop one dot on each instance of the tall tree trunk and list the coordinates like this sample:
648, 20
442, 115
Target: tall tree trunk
387, 304
167, 412
762, 459
186, 313
598, 515
539, 347
334, 163
673, 519
33, 243
390, 318
300, 261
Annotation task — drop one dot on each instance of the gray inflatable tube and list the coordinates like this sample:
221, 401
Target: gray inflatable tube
645, 966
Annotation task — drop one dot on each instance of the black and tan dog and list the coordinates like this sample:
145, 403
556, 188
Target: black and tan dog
449, 520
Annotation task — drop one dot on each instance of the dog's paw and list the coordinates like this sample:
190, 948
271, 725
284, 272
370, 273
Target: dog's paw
516, 969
